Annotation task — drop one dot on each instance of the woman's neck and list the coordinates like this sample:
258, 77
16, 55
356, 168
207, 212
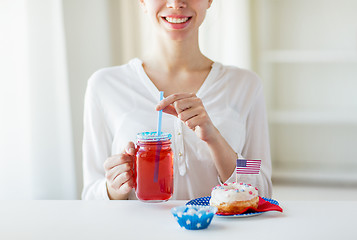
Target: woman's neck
174, 56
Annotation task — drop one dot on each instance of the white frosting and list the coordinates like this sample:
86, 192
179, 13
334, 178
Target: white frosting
231, 192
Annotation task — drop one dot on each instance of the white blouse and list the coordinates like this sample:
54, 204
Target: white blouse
120, 102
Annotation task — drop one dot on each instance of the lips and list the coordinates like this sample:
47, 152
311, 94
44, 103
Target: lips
177, 22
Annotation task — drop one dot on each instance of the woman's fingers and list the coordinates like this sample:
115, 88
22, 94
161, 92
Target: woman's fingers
119, 170
121, 179
188, 103
130, 148
190, 109
112, 173
191, 112
170, 110
116, 160
125, 157
126, 187
192, 118
172, 99
177, 103
186, 106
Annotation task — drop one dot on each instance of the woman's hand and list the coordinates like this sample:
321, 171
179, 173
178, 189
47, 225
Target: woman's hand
189, 108
119, 173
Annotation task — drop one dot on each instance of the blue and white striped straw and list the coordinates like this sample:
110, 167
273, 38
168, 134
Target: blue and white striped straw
158, 149
160, 116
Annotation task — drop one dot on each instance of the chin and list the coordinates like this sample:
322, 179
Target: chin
178, 36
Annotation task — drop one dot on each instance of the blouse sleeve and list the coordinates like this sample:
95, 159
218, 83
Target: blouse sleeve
96, 146
257, 146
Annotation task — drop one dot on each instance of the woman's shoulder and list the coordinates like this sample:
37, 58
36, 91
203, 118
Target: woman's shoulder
119, 71
237, 74
120, 74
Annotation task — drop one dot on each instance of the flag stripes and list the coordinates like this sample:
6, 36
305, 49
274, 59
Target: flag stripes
248, 166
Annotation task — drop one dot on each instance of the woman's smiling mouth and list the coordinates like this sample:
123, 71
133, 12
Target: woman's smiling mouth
177, 22
176, 19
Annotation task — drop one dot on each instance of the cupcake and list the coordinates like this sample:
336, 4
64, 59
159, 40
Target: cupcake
193, 217
234, 198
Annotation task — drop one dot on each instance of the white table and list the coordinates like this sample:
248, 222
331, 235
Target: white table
103, 220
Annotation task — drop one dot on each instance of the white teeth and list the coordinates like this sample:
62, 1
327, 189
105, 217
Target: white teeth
176, 20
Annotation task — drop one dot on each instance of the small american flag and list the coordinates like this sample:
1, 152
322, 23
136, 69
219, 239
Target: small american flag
245, 166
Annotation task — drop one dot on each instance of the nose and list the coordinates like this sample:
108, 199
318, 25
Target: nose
176, 4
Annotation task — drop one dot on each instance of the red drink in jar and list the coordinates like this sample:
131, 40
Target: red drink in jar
154, 167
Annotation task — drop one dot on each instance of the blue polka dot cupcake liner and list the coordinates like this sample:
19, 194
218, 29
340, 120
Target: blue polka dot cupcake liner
193, 217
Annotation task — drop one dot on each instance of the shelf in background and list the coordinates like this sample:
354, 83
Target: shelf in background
308, 61
285, 192
315, 177
297, 56
308, 117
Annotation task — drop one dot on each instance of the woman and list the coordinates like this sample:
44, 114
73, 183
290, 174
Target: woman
215, 113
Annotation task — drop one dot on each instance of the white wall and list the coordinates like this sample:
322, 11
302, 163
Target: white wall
36, 150
89, 47
225, 34
14, 103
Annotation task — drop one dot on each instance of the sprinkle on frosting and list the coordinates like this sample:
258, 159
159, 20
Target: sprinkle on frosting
230, 192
